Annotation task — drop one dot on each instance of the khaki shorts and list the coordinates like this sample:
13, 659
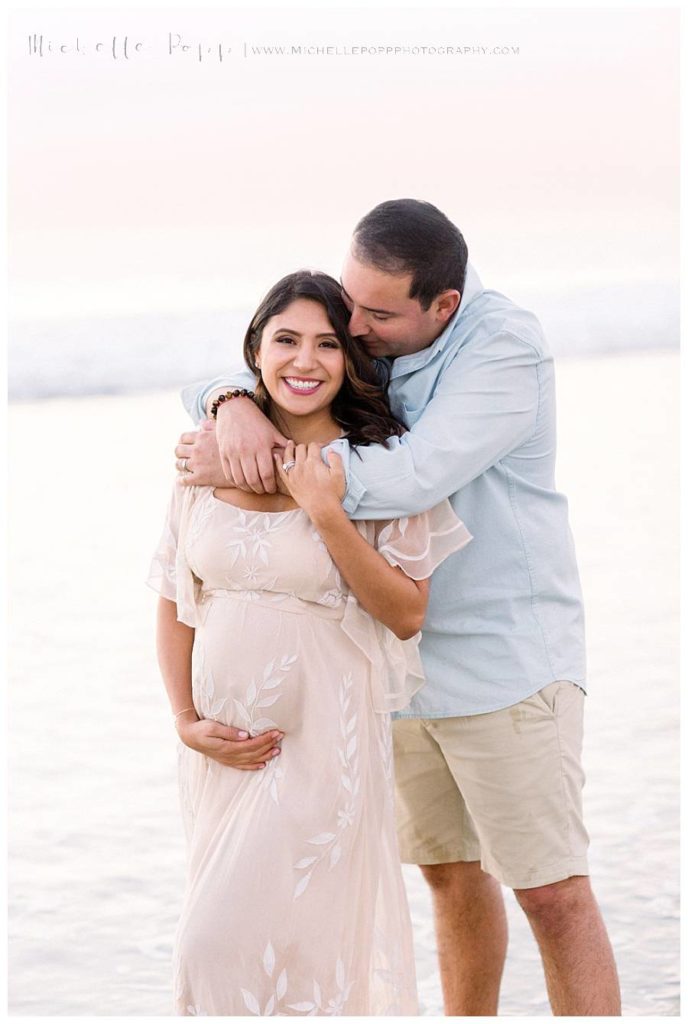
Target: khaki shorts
503, 788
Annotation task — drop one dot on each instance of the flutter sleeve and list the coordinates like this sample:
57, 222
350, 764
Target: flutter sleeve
170, 574
162, 575
417, 545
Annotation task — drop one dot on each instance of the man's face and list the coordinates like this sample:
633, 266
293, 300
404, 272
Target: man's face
383, 317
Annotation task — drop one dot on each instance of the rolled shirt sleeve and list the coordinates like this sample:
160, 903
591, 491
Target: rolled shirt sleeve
195, 396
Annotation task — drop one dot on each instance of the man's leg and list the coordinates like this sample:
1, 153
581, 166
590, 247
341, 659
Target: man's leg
471, 928
436, 832
520, 776
576, 952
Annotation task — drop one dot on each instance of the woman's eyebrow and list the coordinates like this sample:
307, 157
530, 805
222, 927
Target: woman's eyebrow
368, 309
290, 330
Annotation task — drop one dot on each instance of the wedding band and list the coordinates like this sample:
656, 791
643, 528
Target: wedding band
286, 466
185, 465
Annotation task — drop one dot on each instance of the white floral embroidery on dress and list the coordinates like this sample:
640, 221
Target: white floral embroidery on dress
350, 780
251, 1002
204, 685
310, 1007
335, 1005
251, 574
251, 534
272, 778
254, 701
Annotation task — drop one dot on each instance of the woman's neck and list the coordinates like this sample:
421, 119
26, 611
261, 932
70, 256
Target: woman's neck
320, 427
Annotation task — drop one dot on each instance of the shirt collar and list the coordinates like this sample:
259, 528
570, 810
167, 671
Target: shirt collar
472, 286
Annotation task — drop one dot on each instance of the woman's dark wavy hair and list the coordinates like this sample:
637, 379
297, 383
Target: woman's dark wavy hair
360, 407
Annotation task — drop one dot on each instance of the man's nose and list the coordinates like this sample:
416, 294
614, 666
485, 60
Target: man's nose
358, 326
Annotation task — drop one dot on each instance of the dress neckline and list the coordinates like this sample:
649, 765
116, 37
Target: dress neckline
253, 511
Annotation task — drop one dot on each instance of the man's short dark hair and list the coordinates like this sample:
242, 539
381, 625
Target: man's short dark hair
405, 236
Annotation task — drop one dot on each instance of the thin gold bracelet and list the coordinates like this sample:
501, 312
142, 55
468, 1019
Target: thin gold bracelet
192, 708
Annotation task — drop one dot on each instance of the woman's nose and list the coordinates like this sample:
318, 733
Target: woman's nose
304, 357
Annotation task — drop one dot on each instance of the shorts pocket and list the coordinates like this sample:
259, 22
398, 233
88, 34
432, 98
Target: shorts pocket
544, 700
552, 695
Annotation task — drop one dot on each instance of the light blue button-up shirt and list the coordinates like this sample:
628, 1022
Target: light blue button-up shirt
505, 616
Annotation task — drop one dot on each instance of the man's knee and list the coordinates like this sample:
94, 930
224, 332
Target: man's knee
555, 904
461, 877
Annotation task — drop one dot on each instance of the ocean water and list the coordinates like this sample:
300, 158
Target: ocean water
121, 354
96, 857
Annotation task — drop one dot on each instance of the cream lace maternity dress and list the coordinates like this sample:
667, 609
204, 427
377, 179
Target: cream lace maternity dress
295, 903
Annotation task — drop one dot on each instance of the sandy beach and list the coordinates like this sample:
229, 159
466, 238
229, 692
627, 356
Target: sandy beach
97, 859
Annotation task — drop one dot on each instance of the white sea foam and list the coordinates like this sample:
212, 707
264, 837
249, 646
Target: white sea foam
117, 355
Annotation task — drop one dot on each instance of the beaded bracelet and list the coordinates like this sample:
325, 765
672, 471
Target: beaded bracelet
237, 393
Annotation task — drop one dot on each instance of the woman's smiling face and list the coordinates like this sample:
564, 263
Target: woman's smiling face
300, 358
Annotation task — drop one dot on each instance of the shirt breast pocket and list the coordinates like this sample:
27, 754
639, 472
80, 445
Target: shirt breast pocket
411, 415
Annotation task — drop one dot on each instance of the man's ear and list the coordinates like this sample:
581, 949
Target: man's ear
447, 304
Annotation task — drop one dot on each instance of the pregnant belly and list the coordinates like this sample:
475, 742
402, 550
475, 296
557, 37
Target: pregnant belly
264, 664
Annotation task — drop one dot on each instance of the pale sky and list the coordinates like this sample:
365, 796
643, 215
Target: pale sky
164, 183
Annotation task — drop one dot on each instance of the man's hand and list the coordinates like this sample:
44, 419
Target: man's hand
199, 449
222, 744
246, 440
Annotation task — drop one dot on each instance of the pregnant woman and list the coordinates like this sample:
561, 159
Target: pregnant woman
282, 618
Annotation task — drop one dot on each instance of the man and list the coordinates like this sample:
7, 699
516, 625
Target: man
488, 754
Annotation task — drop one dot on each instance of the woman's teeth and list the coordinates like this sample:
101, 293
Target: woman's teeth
304, 386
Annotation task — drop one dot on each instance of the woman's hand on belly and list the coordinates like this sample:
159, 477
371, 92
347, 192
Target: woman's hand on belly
222, 744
